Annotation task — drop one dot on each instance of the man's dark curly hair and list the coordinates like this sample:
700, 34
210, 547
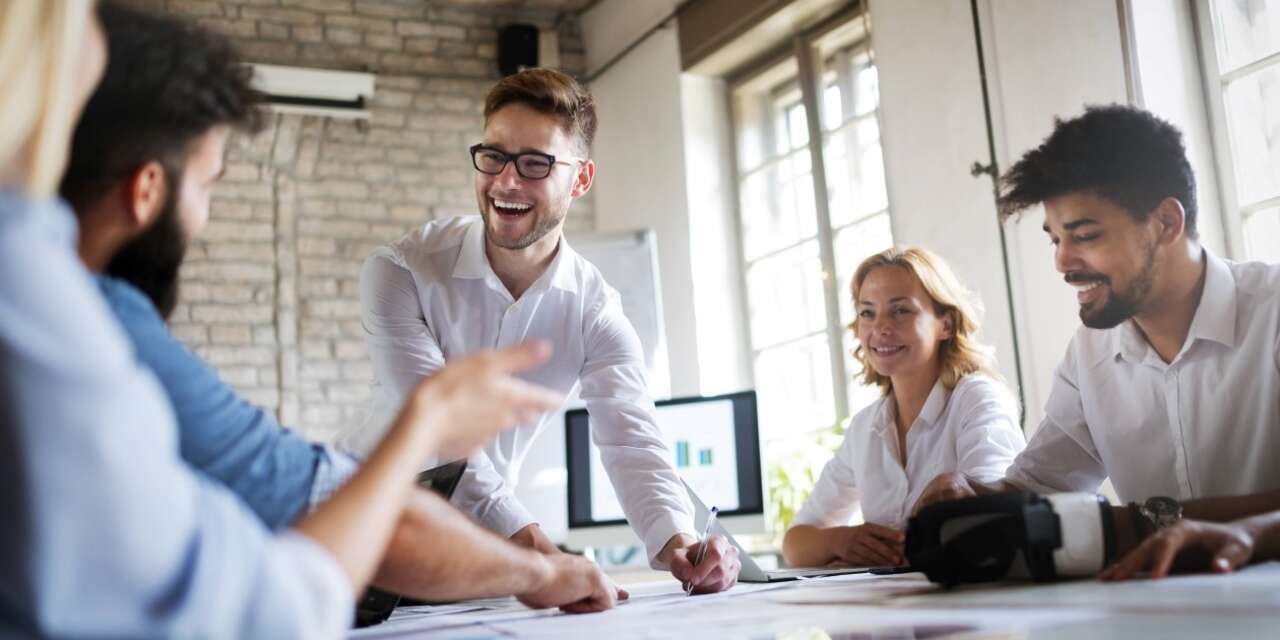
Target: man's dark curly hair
1120, 153
167, 83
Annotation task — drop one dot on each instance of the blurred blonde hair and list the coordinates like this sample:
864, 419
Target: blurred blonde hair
959, 355
40, 43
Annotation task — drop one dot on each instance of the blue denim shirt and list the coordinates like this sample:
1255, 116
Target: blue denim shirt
276, 472
106, 531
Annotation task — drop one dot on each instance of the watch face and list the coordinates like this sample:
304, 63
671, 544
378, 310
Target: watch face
1165, 507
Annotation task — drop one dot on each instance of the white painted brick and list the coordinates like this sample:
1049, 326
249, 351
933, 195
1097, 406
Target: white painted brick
358, 370
350, 349
227, 272
240, 377
321, 371
332, 308
231, 313
266, 398
265, 336
225, 355
348, 394
316, 349
251, 251
191, 335
231, 335
316, 414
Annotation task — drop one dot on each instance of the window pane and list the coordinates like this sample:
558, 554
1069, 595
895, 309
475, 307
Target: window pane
1246, 29
852, 245
797, 126
777, 206
793, 384
832, 107
1262, 235
867, 90
854, 159
784, 294
1253, 118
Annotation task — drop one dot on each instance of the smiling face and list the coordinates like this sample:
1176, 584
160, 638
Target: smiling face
1102, 251
518, 211
898, 324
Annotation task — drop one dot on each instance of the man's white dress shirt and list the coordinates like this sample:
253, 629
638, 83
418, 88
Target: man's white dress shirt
972, 429
432, 296
1206, 424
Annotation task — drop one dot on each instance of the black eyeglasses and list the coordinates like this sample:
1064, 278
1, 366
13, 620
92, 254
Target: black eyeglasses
531, 165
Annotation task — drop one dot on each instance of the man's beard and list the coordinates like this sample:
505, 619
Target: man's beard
1120, 306
540, 228
151, 261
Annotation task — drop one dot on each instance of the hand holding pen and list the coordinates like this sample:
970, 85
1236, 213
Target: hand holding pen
708, 565
702, 548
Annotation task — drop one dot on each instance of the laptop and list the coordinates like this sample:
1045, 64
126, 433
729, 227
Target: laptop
376, 605
751, 572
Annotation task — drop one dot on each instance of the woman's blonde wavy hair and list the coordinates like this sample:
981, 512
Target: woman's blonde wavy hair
959, 355
39, 49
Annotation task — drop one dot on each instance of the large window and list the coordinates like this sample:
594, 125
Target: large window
812, 207
1241, 44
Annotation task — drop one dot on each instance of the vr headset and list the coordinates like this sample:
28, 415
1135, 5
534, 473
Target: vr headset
1010, 536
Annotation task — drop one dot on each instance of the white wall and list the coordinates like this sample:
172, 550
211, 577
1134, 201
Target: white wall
931, 137
640, 181
1045, 60
724, 350
611, 25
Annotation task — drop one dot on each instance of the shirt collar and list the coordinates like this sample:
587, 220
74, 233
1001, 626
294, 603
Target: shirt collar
1215, 317
930, 413
473, 263
1214, 320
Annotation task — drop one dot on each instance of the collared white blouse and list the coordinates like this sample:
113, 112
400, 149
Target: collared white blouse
1206, 424
972, 429
432, 296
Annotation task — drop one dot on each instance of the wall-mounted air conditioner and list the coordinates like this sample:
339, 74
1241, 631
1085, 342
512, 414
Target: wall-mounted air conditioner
317, 92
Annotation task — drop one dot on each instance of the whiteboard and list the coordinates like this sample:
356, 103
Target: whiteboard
629, 262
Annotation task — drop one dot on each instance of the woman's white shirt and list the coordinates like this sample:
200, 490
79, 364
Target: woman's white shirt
972, 429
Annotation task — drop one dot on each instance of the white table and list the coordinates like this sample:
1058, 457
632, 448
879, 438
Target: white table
1240, 605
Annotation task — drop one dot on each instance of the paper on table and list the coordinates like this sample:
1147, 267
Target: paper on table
866, 590
1255, 589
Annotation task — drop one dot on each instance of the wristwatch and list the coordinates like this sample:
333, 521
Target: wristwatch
1160, 512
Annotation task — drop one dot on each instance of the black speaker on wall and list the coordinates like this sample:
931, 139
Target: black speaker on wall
517, 48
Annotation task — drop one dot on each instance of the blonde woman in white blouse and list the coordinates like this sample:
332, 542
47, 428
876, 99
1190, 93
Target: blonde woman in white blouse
944, 409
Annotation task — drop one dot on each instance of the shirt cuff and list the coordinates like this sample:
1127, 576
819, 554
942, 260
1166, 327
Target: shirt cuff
333, 469
326, 594
659, 533
505, 516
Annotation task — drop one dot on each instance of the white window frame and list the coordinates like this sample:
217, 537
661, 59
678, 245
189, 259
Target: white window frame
1233, 212
809, 79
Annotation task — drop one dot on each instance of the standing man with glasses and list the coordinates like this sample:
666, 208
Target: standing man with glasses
459, 285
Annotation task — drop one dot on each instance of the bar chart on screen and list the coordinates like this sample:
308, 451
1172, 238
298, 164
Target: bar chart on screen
700, 439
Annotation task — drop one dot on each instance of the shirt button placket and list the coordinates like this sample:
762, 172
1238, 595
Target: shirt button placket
1176, 429
505, 324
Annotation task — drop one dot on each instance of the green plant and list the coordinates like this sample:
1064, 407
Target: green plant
793, 468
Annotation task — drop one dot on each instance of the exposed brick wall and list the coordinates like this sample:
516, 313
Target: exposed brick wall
270, 290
